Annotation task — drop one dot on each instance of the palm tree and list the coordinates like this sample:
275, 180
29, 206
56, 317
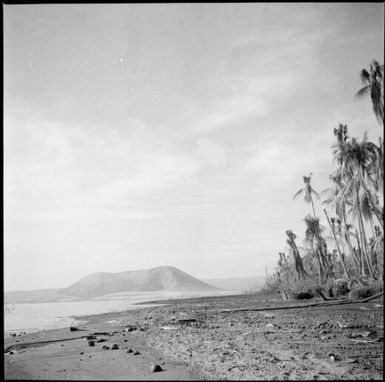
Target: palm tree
295, 253
338, 201
309, 191
341, 255
373, 81
318, 246
357, 161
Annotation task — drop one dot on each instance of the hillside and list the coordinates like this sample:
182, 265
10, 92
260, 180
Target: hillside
102, 283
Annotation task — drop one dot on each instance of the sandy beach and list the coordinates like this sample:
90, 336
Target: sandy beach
209, 339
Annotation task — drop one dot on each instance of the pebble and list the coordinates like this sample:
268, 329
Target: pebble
129, 351
114, 347
136, 352
156, 368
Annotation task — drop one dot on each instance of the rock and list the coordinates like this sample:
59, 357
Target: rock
136, 352
269, 315
129, 351
350, 360
273, 326
105, 347
101, 340
73, 329
114, 347
333, 357
91, 338
91, 343
81, 353
156, 368
187, 320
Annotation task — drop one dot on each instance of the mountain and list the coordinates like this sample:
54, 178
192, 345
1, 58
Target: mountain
102, 283
155, 279
238, 283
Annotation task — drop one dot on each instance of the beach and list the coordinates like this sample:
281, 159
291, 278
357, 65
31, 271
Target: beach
209, 338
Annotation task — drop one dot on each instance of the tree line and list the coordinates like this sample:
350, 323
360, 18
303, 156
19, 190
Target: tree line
356, 221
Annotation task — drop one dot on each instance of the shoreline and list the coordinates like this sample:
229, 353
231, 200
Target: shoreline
197, 340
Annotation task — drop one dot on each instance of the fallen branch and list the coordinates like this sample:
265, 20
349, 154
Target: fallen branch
315, 304
366, 341
40, 343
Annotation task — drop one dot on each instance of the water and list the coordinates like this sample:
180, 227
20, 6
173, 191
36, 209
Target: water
43, 316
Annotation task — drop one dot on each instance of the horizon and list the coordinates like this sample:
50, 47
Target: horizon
143, 134
138, 270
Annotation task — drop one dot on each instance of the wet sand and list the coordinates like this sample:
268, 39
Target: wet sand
204, 339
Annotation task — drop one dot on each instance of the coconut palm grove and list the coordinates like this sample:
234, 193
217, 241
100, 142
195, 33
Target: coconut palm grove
347, 254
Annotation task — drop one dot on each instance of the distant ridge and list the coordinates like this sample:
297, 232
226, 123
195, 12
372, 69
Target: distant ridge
164, 278
155, 279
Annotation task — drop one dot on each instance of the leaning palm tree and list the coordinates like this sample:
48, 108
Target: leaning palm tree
295, 253
314, 239
373, 81
356, 165
338, 201
341, 255
309, 191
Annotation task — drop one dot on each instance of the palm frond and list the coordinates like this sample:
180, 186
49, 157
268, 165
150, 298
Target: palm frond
298, 193
365, 76
363, 91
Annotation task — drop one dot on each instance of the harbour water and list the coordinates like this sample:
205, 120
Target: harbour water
53, 315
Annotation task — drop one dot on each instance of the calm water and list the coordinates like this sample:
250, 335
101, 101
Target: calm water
40, 316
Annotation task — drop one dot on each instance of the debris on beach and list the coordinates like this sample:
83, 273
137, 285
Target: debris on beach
156, 368
136, 352
106, 347
114, 347
129, 351
91, 343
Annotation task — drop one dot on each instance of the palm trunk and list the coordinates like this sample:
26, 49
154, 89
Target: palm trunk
347, 239
363, 236
365, 245
338, 247
360, 254
375, 208
312, 206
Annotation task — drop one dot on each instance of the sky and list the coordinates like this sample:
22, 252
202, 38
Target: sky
142, 135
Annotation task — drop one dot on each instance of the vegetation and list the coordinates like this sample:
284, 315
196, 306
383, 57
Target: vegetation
356, 221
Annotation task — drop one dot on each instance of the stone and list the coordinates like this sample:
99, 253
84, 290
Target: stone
156, 368
114, 347
129, 351
136, 352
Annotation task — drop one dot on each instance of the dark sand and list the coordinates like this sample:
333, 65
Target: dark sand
199, 339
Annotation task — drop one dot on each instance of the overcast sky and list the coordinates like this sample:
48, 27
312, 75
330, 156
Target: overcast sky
144, 135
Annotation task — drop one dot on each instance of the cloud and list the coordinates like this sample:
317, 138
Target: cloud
213, 152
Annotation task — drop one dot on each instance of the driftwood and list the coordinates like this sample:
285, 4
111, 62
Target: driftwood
315, 304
